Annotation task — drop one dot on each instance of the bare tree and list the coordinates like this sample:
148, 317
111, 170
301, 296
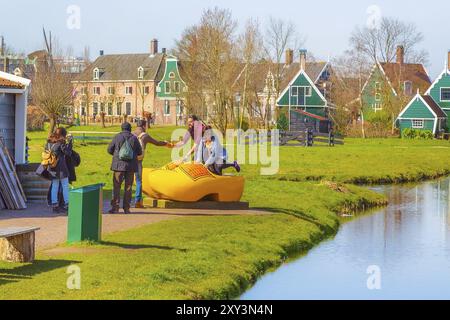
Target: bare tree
280, 35
379, 44
251, 47
52, 89
209, 50
350, 73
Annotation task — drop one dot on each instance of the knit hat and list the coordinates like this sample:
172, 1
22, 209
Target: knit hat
126, 127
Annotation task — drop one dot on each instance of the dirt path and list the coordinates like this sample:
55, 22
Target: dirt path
54, 227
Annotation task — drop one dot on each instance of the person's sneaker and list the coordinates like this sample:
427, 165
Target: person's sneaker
139, 205
237, 166
113, 211
64, 210
126, 211
56, 209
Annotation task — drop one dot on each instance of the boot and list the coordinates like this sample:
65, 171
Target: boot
113, 210
139, 205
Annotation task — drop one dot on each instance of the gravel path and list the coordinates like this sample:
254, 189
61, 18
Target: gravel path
54, 227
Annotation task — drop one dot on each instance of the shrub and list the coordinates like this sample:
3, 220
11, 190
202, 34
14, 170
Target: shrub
282, 122
409, 133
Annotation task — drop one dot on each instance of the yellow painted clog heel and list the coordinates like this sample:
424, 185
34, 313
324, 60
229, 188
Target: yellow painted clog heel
191, 182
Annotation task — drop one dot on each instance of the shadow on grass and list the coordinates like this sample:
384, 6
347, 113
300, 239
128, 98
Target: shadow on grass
298, 214
129, 246
28, 271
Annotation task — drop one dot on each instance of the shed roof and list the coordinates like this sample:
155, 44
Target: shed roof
434, 106
11, 81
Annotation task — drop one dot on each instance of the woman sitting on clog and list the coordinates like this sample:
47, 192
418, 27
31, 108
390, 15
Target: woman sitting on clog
213, 155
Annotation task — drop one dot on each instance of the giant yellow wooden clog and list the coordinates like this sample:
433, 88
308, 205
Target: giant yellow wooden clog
190, 182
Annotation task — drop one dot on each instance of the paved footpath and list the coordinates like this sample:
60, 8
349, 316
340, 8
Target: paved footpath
54, 227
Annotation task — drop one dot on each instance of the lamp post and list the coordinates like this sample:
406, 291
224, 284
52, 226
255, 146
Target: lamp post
237, 111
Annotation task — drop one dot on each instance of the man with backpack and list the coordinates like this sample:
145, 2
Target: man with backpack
143, 138
125, 149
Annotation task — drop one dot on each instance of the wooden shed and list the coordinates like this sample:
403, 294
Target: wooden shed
13, 114
422, 113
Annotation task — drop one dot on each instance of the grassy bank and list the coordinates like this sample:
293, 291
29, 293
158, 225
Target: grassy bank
219, 257
190, 258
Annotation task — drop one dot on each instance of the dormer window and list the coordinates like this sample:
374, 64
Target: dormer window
96, 74
408, 88
140, 73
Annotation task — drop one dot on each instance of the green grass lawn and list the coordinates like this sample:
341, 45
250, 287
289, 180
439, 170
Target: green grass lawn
219, 257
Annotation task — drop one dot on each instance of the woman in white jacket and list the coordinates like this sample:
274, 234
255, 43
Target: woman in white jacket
213, 155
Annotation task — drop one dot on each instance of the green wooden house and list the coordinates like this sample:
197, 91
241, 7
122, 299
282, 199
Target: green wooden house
440, 92
305, 105
170, 91
390, 81
422, 113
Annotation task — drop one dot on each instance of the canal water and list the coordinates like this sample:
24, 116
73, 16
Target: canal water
399, 252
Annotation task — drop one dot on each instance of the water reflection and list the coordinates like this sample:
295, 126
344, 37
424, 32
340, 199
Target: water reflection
408, 240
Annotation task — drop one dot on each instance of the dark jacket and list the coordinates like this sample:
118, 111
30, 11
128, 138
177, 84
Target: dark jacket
114, 147
61, 150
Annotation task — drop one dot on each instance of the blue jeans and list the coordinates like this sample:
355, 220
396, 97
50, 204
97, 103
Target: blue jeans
65, 190
138, 175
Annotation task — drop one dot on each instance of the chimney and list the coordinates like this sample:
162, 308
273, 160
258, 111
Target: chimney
154, 46
448, 60
400, 55
102, 52
6, 65
163, 50
289, 56
303, 59
2, 46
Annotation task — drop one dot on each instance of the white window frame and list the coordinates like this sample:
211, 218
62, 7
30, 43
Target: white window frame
146, 90
119, 105
95, 106
166, 105
377, 106
94, 89
128, 90
179, 108
440, 94
404, 87
417, 123
140, 73
175, 83
111, 90
96, 74
172, 75
108, 106
377, 96
126, 108
83, 91
167, 87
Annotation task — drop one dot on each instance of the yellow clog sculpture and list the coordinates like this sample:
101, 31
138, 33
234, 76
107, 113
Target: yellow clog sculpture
190, 182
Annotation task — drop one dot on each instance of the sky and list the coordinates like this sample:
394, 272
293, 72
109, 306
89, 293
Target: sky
128, 26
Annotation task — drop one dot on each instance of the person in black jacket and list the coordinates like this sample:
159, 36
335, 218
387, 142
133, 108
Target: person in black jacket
72, 162
60, 173
123, 170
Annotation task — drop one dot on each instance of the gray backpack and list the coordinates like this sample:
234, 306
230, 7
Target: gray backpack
126, 151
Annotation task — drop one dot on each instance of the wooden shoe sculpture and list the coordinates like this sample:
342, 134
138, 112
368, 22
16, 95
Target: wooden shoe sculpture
191, 182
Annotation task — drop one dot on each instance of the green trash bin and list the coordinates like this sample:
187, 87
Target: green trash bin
85, 213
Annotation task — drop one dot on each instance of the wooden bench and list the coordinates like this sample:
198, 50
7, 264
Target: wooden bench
17, 244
